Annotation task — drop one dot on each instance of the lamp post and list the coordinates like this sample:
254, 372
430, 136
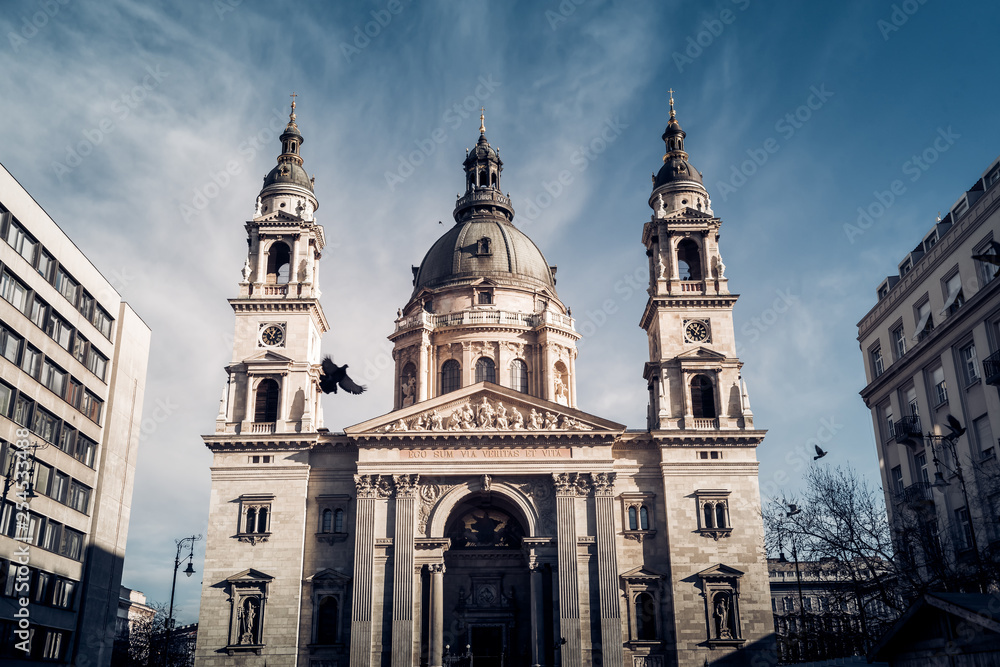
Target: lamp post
941, 483
189, 570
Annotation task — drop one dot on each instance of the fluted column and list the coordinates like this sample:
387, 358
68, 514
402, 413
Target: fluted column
607, 570
569, 586
370, 488
403, 552
436, 635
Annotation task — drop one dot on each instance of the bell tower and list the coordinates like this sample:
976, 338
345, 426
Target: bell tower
693, 373
273, 384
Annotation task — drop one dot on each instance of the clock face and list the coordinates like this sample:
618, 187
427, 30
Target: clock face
696, 331
272, 335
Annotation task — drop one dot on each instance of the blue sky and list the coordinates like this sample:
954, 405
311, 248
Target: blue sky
175, 107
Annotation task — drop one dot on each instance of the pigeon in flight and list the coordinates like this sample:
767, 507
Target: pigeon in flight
793, 510
334, 375
955, 427
993, 258
819, 453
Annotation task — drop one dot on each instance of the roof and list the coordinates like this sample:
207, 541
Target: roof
980, 610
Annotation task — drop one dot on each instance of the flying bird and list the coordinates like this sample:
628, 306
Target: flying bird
993, 258
819, 453
793, 510
334, 375
955, 427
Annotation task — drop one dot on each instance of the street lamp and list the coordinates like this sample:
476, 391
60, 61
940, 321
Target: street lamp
189, 570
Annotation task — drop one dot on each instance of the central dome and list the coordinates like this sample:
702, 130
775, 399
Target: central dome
484, 248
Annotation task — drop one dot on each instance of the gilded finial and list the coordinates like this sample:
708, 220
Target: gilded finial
482, 120
291, 116
672, 114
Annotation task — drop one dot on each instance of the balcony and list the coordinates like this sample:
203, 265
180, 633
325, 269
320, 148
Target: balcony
918, 495
502, 317
705, 423
991, 368
907, 428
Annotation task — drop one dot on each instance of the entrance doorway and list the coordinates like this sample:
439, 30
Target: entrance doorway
488, 645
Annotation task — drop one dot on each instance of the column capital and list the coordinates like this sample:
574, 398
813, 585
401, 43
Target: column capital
604, 483
436, 568
406, 485
373, 486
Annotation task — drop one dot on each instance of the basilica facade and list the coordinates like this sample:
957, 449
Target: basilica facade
486, 519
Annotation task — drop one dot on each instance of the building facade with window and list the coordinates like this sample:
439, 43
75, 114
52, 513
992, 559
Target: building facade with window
931, 347
72, 372
485, 517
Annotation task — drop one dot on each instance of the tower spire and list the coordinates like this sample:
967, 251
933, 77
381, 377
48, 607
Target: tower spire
673, 115
291, 116
482, 121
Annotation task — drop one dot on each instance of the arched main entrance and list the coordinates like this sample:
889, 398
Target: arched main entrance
487, 603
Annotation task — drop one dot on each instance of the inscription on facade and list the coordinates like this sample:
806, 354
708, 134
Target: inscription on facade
468, 453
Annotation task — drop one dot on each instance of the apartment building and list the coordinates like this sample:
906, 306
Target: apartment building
73, 361
931, 346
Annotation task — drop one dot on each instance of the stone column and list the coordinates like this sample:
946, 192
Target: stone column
569, 585
607, 570
547, 381
370, 488
435, 648
403, 552
537, 615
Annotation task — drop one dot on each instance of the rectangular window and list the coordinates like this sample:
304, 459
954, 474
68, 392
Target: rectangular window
45, 264
890, 427
925, 323
102, 321
13, 291
80, 345
79, 496
21, 242
5, 396
22, 410
72, 544
85, 450
74, 392
899, 341
986, 271
43, 473
953, 298
43, 585
876, 357
60, 486
66, 285
45, 425
67, 439
964, 523
970, 365
984, 436
897, 479
62, 595
31, 362
91, 406
97, 363
10, 345
86, 305
911, 402
939, 391
52, 537
60, 331
55, 645
920, 463
39, 313
53, 377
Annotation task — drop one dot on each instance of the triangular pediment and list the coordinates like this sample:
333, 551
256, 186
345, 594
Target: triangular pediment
278, 216
267, 356
328, 576
720, 571
641, 574
250, 575
687, 212
484, 408
701, 353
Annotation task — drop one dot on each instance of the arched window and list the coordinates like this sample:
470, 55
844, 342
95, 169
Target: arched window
519, 376
266, 405
702, 397
484, 178
250, 525
688, 260
720, 516
486, 370
278, 258
709, 516
262, 520
643, 518
451, 376
645, 617
327, 523
327, 621
338, 521
633, 523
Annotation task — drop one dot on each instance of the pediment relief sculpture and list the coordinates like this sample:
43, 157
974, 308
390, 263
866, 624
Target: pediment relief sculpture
487, 415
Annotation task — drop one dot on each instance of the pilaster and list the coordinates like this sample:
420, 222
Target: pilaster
607, 570
402, 570
370, 488
567, 487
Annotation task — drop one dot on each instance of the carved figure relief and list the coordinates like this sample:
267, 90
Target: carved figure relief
486, 416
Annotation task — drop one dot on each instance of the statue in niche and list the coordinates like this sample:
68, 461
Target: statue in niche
661, 268
246, 270
721, 615
720, 268
409, 390
246, 617
517, 419
561, 390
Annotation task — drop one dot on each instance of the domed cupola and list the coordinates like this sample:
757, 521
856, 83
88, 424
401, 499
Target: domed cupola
484, 305
678, 183
287, 187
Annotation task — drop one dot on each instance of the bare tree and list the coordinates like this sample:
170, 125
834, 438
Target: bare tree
143, 643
